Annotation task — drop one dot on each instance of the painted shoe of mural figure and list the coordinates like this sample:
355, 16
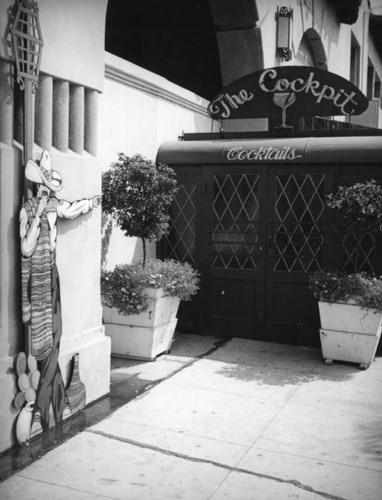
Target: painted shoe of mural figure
76, 391
67, 412
23, 424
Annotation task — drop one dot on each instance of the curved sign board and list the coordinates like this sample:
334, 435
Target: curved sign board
296, 90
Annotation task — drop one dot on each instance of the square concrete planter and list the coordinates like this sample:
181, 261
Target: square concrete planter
146, 335
349, 333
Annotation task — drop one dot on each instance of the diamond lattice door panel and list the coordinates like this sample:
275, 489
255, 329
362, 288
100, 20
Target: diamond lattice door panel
296, 235
359, 252
181, 239
236, 251
299, 222
235, 221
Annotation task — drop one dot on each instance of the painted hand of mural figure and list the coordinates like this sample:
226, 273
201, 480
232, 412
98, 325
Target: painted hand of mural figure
96, 200
42, 205
41, 304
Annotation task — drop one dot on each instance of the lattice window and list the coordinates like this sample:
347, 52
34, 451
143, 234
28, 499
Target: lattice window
299, 217
359, 253
234, 225
181, 239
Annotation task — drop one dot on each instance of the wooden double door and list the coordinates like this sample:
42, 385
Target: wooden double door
255, 233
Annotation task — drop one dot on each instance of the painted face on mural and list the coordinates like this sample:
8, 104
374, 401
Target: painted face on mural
42, 191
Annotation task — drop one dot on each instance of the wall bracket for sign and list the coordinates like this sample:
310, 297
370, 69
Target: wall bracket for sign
295, 91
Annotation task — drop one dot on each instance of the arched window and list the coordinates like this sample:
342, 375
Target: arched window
311, 51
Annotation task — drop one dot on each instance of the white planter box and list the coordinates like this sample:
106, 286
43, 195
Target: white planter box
349, 318
145, 335
138, 342
349, 333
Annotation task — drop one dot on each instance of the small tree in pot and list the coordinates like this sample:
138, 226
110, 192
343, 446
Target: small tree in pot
141, 300
350, 303
137, 194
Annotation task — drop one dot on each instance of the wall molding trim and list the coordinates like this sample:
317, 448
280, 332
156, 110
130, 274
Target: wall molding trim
135, 77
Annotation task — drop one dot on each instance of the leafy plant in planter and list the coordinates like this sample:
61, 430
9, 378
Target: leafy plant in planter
141, 300
348, 301
355, 288
124, 287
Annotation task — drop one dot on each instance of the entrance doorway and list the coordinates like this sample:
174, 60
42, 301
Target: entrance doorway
255, 233
266, 234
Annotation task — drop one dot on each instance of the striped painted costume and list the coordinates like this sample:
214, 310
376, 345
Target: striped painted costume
41, 302
37, 287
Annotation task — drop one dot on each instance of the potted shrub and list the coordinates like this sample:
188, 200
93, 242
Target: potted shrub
141, 299
350, 304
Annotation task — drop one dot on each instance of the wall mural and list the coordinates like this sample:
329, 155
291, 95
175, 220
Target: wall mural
43, 398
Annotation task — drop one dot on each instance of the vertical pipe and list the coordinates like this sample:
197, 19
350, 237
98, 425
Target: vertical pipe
76, 119
28, 121
18, 121
44, 110
61, 115
28, 131
91, 120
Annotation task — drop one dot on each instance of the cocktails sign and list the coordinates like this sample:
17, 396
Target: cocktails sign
306, 91
262, 153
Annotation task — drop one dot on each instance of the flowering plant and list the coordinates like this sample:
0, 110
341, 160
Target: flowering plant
123, 288
355, 288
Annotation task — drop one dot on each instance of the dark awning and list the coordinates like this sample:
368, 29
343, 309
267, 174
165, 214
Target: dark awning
359, 149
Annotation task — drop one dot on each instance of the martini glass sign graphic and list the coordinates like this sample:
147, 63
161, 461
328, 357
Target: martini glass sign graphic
284, 100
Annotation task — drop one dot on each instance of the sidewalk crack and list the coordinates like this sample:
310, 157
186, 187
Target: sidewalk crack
226, 467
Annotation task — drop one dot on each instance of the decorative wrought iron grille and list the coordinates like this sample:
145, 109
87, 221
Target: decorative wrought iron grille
181, 238
27, 42
235, 224
299, 222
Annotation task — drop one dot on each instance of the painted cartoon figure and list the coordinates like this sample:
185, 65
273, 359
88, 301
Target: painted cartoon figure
41, 304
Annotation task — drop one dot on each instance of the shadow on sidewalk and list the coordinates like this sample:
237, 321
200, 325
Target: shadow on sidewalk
269, 363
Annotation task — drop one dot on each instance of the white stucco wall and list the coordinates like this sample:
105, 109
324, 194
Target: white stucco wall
139, 110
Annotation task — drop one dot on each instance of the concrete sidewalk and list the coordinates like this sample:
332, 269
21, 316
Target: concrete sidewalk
241, 420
